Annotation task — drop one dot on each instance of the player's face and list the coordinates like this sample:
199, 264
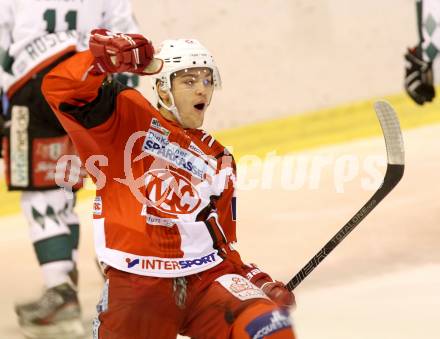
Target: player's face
192, 91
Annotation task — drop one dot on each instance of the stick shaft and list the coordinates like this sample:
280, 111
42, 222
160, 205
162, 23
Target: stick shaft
392, 176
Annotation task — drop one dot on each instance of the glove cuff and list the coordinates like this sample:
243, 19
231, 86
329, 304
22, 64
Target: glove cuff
256, 276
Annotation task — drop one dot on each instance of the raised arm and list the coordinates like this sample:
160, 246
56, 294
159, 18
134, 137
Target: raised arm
70, 83
74, 86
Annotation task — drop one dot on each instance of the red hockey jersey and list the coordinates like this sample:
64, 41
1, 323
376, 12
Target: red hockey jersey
165, 199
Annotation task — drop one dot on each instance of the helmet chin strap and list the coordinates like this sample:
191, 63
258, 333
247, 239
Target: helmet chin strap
172, 108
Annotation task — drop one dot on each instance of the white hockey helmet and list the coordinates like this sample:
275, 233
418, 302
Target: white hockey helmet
178, 55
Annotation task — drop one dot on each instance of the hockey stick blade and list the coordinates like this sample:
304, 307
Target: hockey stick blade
394, 172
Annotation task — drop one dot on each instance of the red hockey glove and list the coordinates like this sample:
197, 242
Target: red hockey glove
275, 290
117, 53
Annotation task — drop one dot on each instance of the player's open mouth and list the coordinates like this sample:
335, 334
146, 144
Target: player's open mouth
200, 106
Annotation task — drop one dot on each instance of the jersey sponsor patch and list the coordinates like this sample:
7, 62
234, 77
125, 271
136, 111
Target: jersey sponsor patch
157, 126
19, 155
268, 324
194, 148
240, 287
45, 155
158, 145
145, 265
157, 221
97, 206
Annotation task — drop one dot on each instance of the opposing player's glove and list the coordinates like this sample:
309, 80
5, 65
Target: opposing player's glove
118, 52
275, 290
418, 77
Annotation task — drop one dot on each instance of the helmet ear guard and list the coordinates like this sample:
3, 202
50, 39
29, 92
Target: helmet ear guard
163, 86
159, 102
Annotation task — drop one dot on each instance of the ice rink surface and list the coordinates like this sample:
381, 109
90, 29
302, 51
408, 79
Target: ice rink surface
285, 57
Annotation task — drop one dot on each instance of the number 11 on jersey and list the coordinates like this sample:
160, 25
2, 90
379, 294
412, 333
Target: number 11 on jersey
50, 16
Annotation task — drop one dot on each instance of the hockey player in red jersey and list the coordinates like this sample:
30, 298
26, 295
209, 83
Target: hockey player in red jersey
164, 212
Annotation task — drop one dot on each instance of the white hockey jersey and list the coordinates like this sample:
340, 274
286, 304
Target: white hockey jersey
35, 32
428, 18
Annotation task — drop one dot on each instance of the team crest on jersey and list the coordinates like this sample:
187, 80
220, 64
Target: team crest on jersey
170, 192
240, 287
158, 145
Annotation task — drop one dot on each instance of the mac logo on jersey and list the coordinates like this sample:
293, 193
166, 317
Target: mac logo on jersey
170, 192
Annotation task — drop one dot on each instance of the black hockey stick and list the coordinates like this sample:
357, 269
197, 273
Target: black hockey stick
395, 158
